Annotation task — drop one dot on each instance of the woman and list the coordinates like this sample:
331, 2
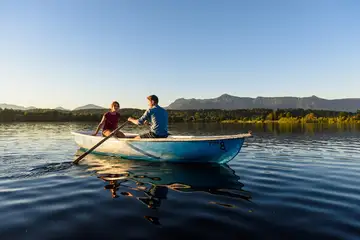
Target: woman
110, 121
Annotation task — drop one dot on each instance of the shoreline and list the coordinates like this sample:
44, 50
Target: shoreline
299, 121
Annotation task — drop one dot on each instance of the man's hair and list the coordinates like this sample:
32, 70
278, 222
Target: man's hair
153, 98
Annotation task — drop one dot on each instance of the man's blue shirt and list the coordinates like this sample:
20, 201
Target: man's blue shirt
158, 118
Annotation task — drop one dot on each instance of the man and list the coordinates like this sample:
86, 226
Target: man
158, 118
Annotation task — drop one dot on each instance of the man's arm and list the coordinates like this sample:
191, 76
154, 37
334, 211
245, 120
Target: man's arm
133, 120
142, 119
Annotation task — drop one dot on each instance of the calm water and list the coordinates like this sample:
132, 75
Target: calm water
287, 183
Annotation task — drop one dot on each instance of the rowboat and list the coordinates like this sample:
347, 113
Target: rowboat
174, 148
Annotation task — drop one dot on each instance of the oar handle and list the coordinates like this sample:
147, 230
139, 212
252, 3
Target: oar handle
99, 143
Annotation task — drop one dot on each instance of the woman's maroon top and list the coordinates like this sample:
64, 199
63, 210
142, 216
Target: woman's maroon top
111, 121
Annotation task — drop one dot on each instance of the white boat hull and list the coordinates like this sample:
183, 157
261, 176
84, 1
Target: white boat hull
219, 149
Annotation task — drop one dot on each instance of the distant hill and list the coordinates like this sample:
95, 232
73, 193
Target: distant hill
228, 102
15, 107
61, 109
88, 106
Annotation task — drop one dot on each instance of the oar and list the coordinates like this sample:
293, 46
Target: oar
98, 144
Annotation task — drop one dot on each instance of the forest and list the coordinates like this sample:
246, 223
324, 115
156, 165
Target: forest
213, 115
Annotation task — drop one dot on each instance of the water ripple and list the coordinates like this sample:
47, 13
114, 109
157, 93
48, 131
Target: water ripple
298, 185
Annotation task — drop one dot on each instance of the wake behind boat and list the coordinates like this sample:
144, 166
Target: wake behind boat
175, 148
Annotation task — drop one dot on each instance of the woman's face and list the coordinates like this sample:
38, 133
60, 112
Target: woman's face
115, 107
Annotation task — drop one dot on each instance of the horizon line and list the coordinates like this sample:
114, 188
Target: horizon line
97, 106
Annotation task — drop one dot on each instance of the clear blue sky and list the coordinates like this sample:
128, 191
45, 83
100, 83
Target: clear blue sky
74, 52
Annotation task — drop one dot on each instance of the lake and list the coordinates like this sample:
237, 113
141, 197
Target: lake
288, 182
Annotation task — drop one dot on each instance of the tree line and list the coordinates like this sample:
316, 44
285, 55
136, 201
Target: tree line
205, 115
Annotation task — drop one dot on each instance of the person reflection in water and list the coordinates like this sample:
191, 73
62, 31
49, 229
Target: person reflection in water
114, 185
154, 196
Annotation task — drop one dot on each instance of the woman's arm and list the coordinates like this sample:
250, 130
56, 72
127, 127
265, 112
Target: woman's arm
100, 125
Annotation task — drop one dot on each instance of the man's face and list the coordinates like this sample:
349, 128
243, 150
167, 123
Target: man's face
150, 103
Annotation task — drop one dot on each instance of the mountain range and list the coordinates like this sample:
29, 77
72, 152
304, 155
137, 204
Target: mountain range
229, 102
17, 107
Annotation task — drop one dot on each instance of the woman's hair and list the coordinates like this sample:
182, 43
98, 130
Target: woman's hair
115, 102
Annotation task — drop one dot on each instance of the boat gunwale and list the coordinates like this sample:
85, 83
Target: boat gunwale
189, 138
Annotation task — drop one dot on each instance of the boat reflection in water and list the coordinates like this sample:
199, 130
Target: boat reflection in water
154, 180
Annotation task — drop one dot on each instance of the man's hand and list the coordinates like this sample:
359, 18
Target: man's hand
133, 120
